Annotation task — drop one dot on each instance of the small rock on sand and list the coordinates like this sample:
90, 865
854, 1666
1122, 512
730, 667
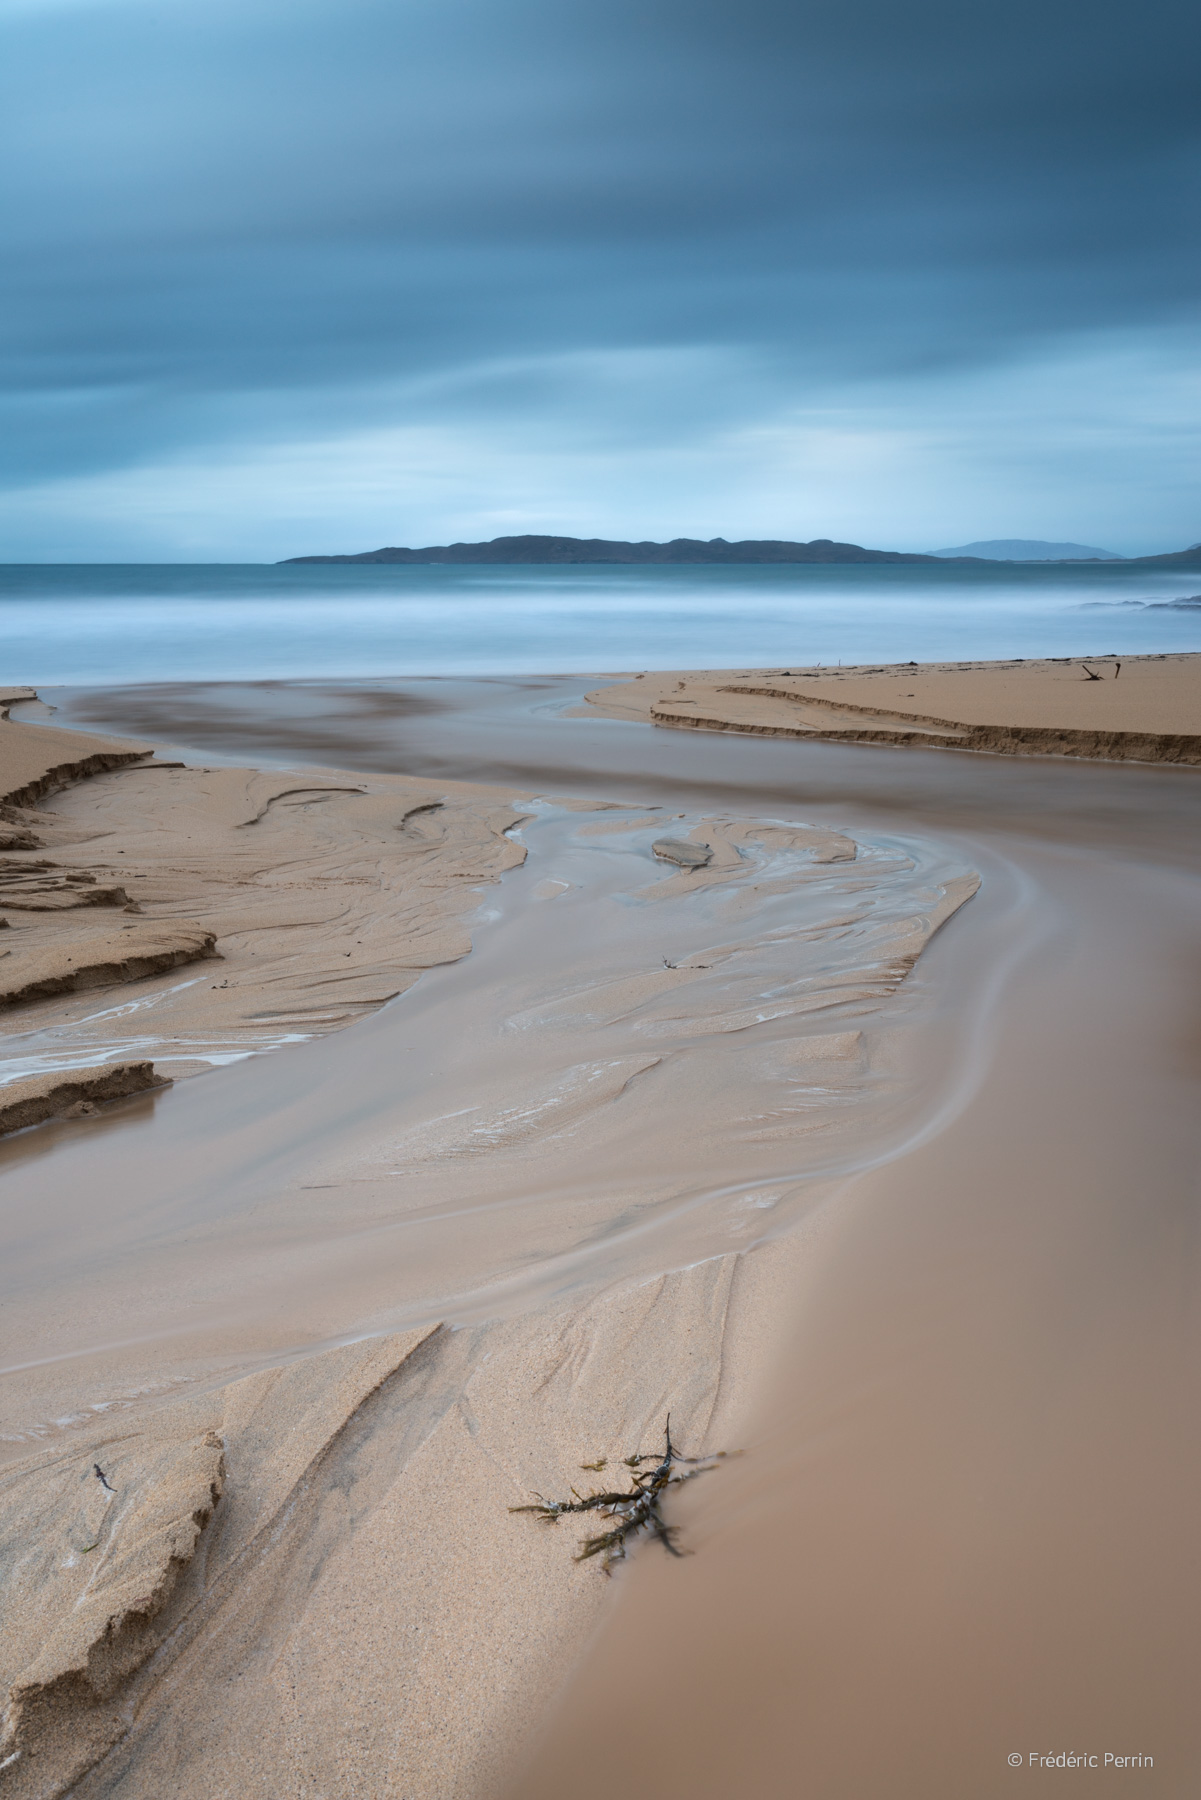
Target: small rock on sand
686, 855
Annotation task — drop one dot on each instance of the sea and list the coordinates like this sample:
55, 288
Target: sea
107, 623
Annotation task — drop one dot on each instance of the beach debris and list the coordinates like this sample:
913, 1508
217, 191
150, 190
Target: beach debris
686, 855
1089, 673
635, 1511
102, 1478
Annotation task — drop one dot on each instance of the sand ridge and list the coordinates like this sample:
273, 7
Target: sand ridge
1142, 708
322, 897
50, 1096
34, 764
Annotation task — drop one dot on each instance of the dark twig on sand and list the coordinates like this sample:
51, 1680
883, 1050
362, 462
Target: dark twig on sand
636, 1510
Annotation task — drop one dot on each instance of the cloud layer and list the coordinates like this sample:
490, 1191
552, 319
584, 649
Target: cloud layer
305, 277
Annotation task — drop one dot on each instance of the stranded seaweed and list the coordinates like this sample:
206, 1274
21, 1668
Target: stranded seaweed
636, 1510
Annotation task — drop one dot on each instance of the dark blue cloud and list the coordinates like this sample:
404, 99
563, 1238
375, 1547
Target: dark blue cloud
229, 222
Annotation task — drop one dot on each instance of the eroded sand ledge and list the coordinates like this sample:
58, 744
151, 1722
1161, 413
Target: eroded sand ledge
321, 897
308, 1570
42, 1097
1149, 711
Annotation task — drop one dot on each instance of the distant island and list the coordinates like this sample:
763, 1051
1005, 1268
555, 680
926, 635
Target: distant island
1028, 550
565, 550
608, 550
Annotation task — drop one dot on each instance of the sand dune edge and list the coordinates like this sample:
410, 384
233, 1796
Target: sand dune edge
1138, 708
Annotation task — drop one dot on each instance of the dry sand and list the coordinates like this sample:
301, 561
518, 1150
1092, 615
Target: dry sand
285, 1342
1140, 708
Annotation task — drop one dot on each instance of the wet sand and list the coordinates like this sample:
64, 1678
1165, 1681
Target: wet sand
917, 1189
966, 1532
328, 896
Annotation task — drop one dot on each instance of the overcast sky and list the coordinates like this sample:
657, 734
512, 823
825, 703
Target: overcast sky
296, 275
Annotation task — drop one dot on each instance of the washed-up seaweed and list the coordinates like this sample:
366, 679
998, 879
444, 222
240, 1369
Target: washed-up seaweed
636, 1510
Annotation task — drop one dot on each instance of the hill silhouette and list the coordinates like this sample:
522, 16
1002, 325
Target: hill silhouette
536, 548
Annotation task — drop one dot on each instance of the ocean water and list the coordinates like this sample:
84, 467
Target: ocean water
101, 623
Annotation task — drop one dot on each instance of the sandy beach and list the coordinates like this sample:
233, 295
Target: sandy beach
1137, 708
432, 1090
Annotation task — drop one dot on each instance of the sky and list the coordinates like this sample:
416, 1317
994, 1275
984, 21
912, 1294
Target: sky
291, 276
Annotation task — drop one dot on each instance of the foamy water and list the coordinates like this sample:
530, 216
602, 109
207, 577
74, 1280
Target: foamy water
142, 622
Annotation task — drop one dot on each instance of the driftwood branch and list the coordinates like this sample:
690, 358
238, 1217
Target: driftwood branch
637, 1509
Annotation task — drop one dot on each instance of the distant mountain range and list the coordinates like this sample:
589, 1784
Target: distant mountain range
1030, 550
537, 549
